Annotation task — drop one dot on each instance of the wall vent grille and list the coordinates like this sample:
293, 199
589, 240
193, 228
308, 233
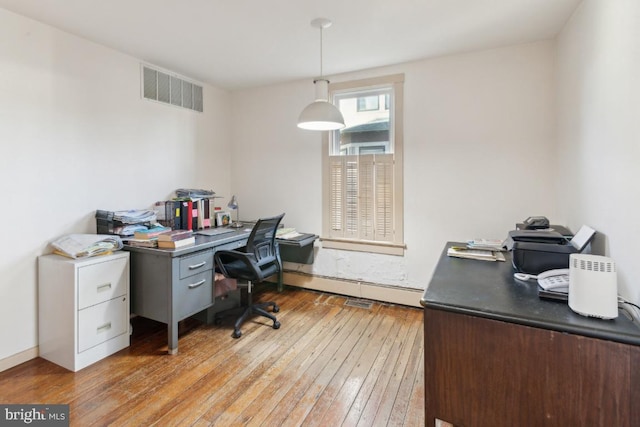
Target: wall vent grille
170, 89
359, 303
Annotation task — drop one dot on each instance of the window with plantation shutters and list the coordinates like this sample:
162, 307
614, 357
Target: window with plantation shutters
363, 168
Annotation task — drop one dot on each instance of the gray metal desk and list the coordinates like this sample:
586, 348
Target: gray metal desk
169, 285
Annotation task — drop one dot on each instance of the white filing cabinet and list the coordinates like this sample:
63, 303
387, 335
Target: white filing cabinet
83, 307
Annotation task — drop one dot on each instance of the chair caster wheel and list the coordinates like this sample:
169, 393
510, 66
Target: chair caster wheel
276, 325
276, 309
217, 321
237, 333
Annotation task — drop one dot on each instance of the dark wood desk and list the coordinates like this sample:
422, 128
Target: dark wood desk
169, 285
497, 355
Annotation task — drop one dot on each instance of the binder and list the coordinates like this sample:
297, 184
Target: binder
172, 214
185, 215
206, 215
194, 214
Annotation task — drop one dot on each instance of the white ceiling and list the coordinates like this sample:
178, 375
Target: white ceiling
236, 44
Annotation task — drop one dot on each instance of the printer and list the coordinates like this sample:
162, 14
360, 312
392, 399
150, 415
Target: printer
536, 250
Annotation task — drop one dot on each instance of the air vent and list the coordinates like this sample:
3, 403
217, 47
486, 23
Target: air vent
359, 303
170, 89
590, 265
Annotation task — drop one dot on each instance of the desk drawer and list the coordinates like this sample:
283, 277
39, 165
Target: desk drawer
194, 293
231, 246
196, 263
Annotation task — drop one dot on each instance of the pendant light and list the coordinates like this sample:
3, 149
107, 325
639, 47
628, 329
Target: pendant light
321, 114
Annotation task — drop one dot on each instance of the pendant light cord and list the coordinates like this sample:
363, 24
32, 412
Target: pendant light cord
321, 52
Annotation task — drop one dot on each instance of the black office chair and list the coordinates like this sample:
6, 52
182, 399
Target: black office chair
259, 259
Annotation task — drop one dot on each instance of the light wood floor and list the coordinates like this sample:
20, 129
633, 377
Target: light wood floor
328, 365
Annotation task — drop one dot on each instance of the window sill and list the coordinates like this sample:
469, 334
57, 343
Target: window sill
364, 246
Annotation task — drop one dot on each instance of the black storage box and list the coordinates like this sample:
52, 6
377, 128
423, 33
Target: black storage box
105, 223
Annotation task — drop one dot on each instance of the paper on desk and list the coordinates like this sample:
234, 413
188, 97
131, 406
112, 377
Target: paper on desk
86, 245
287, 233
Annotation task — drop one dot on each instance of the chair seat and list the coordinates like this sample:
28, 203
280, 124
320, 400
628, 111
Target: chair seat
238, 270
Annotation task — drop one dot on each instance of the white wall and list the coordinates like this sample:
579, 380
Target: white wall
599, 130
75, 137
479, 156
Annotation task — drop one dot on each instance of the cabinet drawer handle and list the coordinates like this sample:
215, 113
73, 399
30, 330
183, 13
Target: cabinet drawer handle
193, 267
104, 327
195, 285
104, 287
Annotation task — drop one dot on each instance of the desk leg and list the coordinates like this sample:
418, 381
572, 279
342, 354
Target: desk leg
172, 338
280, 273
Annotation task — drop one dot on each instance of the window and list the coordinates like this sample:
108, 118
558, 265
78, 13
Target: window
363, 194
369, 103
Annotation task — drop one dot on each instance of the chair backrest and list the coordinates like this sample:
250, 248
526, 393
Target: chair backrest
262, 240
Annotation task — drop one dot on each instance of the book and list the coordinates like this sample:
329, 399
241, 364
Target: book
177, 243
479, 254
150, 233
174, 235
143, 243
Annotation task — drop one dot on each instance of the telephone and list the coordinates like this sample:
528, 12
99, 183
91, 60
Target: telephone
536, 222
554, 280
551, 280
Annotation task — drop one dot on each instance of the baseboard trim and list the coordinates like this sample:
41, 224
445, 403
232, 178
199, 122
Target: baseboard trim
18, 358
390, 294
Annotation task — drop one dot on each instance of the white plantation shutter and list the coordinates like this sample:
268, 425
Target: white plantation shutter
366, 199
336, 202
361, 197
384, 169
351, 196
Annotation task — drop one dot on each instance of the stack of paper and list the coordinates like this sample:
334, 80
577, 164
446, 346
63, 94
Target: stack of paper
486, 244
287, 233
135, 216
86, 245
479, 254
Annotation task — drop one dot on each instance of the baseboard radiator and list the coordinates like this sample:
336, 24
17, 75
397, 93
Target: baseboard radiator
352, 288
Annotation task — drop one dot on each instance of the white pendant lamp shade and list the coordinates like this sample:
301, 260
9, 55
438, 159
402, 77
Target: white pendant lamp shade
321, 114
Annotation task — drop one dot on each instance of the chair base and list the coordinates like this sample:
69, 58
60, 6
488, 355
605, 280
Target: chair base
249, 312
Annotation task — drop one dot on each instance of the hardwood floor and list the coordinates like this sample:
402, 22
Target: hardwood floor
328, 365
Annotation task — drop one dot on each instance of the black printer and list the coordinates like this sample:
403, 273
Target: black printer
536, 250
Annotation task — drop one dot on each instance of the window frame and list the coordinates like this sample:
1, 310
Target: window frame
396, 246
